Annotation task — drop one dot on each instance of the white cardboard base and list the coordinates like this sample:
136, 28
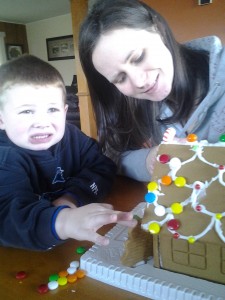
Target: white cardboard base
103, 264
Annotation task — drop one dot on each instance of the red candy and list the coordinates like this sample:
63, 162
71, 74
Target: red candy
164, 158
197, 186
173, 224
21, 275
176, 235
198, 208
43, 288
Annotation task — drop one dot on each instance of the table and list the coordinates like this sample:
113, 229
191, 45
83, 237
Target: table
125, 195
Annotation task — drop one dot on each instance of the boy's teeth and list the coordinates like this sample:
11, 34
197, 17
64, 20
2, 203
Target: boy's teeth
41, 136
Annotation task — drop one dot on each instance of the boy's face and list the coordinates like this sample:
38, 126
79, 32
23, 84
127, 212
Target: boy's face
34, 117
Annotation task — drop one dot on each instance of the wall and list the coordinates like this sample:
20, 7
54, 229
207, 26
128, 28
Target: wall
188, 20
37, 32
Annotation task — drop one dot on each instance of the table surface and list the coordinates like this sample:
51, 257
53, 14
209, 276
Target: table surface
125, 195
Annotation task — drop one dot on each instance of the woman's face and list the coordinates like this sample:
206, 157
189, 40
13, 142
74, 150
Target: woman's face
137, 62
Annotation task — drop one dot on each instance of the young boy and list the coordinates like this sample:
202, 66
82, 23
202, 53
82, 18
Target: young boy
50, 171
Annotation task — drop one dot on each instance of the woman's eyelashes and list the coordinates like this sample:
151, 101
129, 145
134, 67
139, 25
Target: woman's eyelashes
120, 79
139, 58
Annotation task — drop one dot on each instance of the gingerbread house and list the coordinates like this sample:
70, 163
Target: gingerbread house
185, 210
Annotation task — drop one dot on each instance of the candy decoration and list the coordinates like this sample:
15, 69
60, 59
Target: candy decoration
160, 210
164, 158
197, 186
71, 270
53, 277
198, 208
166, 180
150, 197
222, 138
21, 275
219, 216
191, 240
195, 147
154, 228
173, 224
176, 235
192, 137
152, 186
62, 281
75, 264
43, 288
81, 250
72, 278
80, 273
176, 208
63, 273
169, 135
180, 181
53, 285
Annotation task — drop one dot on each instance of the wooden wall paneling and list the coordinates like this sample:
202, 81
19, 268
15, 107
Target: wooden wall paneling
79, 9
15, 34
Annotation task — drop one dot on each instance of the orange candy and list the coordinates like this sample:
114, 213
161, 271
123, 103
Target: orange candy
80, 273
63, 273
71, 278
166, 180
192, 137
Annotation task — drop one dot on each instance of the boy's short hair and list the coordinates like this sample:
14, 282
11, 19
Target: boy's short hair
29, 70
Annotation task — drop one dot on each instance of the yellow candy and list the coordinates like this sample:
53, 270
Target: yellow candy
152, 186
219, 216
176, 208
154, 228
191, 240
62, 281
180, 181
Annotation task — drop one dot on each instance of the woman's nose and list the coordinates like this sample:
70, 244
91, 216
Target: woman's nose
138, 78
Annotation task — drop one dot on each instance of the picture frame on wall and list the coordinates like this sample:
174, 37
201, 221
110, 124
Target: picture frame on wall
13, 51
59, 48
204, 2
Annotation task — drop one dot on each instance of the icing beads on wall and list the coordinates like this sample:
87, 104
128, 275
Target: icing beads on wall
198, 192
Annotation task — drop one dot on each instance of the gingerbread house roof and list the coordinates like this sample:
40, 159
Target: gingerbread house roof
186, 197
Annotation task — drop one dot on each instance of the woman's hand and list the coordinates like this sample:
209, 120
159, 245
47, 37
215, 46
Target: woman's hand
82, 223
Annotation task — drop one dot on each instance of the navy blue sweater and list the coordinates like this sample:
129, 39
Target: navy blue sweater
30, 180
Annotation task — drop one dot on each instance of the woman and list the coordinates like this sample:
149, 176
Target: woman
142, 81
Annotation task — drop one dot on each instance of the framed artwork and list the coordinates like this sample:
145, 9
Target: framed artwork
13, 51
61, 47
203, 2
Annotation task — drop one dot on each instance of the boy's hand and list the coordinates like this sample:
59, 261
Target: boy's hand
66, 199
82, 223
